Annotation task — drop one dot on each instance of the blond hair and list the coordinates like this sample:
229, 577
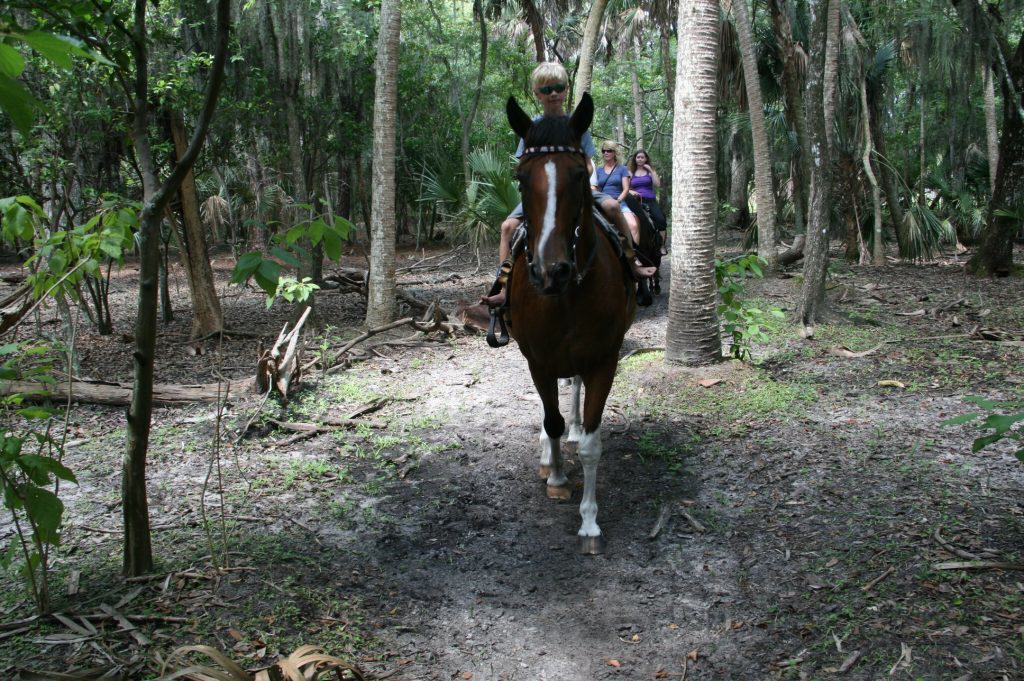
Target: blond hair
548, 72
613, 144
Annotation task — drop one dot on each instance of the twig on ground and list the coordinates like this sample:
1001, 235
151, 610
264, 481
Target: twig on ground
420, 266
952, 549
874, 582
696, 524
659, 525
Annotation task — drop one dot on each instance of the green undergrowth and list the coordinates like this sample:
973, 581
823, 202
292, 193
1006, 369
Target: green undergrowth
858, 336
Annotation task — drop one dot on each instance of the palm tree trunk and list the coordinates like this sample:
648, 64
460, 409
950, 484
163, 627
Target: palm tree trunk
812, 305
794, 60
763, 190
536, 22
739, 179
380, 302
638, 103
664, 45
587, 49
693, 332
991, 132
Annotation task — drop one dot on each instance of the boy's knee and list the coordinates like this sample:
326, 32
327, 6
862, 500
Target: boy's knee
508, 227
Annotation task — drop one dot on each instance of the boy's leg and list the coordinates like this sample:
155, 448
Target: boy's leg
508, 228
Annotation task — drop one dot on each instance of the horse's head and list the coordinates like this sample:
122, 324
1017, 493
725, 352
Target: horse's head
555, 188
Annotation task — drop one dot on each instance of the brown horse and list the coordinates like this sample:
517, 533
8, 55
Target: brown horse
648, 249
571, 299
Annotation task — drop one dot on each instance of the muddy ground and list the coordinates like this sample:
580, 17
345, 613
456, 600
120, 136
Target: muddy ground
806, 511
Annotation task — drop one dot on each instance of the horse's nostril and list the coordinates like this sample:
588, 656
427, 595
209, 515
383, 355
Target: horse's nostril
560, 271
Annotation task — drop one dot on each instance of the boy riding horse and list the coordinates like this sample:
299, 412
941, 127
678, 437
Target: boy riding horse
549, 82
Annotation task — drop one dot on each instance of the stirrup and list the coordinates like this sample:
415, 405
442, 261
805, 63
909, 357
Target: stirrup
497, 320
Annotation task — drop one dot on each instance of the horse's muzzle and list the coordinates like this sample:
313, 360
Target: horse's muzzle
553, 279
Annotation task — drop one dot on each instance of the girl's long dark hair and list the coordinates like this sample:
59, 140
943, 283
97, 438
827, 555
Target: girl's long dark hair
632, 160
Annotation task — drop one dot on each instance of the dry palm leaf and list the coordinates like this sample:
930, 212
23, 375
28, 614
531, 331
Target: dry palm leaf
308, 663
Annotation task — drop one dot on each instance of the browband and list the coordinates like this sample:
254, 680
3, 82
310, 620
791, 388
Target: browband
552, 149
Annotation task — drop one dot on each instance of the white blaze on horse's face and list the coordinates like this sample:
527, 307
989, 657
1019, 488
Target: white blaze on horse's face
548, 226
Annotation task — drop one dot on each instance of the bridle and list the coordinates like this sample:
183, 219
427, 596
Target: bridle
580, 272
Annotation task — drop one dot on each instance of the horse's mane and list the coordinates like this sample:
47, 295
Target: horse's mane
551, 131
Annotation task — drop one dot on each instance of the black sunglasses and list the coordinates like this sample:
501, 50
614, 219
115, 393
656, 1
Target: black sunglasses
548, 89
607, 151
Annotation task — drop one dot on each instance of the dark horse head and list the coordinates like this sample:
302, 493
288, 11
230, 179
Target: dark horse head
555, 188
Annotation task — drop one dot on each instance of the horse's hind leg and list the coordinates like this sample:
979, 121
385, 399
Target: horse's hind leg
599, 384
551, 432
575, 422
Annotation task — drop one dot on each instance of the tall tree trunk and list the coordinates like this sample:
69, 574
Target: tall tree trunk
207, 317
739, 179
669, 72
831, 71
468, 119
762, 151
878, 254
380, 301
991, 132
138, 553
794, 60
587, 49
888, 174
812, 304
693, 332
620, 129
995, 253
536, 22
638, 102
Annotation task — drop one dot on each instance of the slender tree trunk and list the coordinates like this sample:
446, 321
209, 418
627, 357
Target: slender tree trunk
138, 553
878, 254
536, 22
587, 49
793, 65
380, 303
207, 317
762, 151
667, 69
991, 132
812, 304
739, 179
638, 103
831, 71
693, 332
468, 119
620, 128
888, 174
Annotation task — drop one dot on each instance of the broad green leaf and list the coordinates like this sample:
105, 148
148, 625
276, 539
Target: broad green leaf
267, 276
36, 412
12, 447
11, 63
294, 234
18, 103
983, 442
45, 509
332, 246
245, 267
316, 231
343, 227
285, 257
56, 48
39, 468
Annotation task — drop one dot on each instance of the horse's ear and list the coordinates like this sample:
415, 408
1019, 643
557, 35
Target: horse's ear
582, 116
517, 118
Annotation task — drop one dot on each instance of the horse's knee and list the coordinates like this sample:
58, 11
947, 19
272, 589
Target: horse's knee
554, 425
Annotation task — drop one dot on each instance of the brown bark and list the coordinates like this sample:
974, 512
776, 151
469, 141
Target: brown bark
669, 72
762, 151
586, 65
207, 317
536, 22
638, 103
794, 64
991, 131
693, 335
812, 304
138, 554
380, 303
120, 394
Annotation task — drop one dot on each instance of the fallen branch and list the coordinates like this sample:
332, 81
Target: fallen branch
977, 565
277, 371
694, 522
874, 582
659, 525
638, 351
794, 252
118, 394
420, 266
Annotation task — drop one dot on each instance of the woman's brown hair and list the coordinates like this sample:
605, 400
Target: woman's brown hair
632, 160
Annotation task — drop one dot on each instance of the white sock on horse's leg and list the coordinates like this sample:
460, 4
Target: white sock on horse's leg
551, 459
575, 422
590, 455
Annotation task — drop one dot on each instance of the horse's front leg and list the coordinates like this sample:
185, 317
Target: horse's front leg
599, 384
551, 430
575, 421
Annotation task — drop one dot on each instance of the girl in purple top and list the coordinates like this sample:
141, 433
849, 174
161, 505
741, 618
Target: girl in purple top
643, 185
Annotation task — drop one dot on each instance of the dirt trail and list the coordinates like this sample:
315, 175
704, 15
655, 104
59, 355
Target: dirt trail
803, 502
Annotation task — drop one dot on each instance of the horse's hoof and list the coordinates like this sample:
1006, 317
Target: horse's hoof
592, 546
562, 493
543, 472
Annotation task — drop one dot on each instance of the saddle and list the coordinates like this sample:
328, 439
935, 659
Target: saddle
497, 328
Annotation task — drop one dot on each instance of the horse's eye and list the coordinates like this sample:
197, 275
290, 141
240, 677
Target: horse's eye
577, 173
522, 178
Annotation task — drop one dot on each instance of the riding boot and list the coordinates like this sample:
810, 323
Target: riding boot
643, 291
